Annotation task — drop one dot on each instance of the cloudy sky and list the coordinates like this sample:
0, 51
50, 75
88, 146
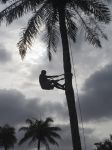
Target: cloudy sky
21, 96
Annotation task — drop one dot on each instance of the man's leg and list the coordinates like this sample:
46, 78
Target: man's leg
59, 79
57, 85
62, 86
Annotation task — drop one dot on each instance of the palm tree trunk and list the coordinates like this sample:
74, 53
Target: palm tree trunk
68, 83
6, 148
38, 145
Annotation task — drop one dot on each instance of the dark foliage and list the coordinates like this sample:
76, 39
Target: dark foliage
104, 145
77, 12
7, 137
41, 132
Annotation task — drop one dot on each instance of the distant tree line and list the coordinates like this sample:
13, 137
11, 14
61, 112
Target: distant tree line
105, 144
37, 131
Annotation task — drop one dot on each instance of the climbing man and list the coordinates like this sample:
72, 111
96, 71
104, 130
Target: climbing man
48, 82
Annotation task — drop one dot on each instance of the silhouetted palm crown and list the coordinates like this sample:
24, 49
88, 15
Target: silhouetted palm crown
7, 137
76, 12
40, 131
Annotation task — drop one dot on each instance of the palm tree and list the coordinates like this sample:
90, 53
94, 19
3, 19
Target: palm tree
40, 132
65, 16
7, 137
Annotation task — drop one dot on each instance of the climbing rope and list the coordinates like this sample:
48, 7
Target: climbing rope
78, 99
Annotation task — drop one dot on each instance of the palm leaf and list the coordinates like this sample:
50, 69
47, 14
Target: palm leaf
96, 7
29, 33
29, 121
52, 140
48, 120
26, 137
18, 9
32, 140
23, 140
5, 12
92, 37
100, 10
90, 33
54, 134
52, 34
55, 128
23, 129
98, 29
45, 142
71, 26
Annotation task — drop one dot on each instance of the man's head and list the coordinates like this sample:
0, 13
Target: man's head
43, 72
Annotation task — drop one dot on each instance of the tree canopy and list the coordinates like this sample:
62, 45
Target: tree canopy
7, 137
104, 145
41, 132
85, 13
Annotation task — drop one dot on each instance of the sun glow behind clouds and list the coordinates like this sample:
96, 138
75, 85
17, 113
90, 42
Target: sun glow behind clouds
37, 53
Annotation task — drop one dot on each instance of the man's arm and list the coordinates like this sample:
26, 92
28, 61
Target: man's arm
54, 76
61, 75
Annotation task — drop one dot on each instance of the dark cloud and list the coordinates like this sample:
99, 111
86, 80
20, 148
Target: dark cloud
66, 142
109, 1
5, 56
15, 108
96, 101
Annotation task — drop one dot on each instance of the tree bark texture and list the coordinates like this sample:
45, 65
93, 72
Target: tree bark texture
38, 145
6, 148
69, 92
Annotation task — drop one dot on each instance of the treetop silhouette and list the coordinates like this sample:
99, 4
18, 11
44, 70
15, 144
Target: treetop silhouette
40, 132
7, 137
104, 145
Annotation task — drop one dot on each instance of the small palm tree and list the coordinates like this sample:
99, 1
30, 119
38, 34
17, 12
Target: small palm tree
40, 132
7, 137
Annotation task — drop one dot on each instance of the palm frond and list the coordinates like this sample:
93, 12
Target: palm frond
90, 33
52, 140
71, 26
23, 140
23, 129
5, 12
99, 9
17, 10
98, 29
54, 134
29, 121
92, 37
55, 128
52, 34
30, 32
48, 120
45, 142
28, 135
32, 140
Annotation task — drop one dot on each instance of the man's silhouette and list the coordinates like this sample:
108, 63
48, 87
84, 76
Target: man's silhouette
48, 82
